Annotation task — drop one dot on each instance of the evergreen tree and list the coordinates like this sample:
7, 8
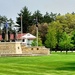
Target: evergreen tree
26, 19
37, 15
47, 18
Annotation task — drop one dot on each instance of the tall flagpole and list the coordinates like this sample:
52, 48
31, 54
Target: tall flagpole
37, 35
37, 30
21, 26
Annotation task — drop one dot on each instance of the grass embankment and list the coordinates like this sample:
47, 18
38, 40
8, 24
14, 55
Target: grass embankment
54, 64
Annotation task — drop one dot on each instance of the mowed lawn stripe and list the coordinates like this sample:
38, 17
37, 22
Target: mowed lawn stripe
54, 64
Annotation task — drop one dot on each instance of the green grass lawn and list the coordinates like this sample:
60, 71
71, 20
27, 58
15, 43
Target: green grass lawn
54, 64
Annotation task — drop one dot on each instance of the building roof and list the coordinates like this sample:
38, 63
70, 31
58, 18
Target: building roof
20, 36
28, 36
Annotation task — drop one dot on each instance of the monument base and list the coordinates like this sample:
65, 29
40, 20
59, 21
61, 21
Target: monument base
17, 49
10, 48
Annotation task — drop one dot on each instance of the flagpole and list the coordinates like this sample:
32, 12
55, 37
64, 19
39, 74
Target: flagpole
37, 30
37, 35
21, 27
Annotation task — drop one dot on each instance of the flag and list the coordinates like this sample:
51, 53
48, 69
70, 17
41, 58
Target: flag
6, 25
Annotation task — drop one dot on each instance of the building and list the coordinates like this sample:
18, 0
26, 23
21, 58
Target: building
22, 47
28, 39
25, 38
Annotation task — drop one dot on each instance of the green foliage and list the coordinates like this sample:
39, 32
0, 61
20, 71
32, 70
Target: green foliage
54, 34
60, 32
54, 29
26, 19
43, 31
73, 39
67, 21
37, 14
58, 27
51, 40
11, 25
3, 19
65, 42
40, 42
34, 43
49, 17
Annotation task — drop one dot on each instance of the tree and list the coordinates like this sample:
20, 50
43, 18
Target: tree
32, 29
73, 39
26, 16
10, 23
37, 15
53, 16
58, 27
54, 34
34, 43
3, 19
43, 28
47, 18
51, 40
65, 42
70, 18
67, 21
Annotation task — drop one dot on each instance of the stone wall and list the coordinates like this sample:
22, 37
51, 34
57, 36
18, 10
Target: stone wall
10, 48
35, 50
18, 49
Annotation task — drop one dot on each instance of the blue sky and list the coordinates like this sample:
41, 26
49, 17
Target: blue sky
11, 8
